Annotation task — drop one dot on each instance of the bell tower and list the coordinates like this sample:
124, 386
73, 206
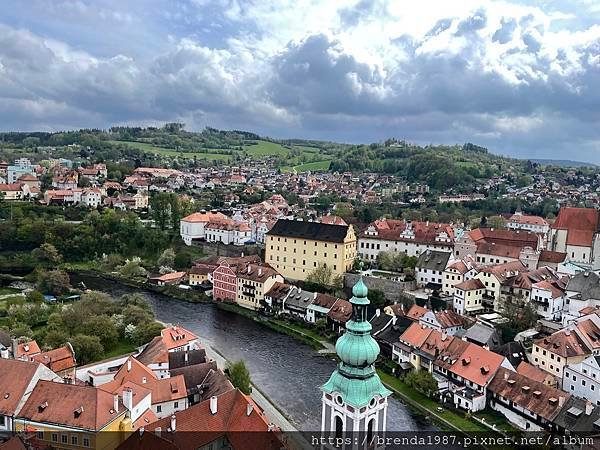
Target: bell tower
354, 399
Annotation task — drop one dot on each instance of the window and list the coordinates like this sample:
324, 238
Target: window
64, 439
159, 408
54, 437
40, 435
74, 439
86, 442
176, 405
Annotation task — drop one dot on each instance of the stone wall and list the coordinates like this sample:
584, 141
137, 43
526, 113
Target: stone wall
393, 290
219, 249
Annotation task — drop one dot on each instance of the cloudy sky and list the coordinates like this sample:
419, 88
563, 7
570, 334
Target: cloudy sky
521, 77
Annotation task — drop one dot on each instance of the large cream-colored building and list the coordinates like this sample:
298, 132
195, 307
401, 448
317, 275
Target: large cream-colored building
295, 248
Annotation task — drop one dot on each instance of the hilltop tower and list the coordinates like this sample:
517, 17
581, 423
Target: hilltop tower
354, 399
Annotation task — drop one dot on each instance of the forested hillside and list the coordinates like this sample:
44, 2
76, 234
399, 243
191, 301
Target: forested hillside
441, 167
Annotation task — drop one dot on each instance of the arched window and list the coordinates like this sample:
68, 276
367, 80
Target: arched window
339, 427
370, 427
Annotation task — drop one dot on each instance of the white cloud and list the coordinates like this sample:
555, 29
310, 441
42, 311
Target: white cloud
366, 69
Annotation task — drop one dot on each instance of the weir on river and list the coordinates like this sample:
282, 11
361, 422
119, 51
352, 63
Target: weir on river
286, 370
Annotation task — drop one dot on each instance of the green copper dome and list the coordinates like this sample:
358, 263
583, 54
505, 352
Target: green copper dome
355, 378
357, 350
360, 289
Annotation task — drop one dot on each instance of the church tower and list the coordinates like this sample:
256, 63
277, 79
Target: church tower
354, 399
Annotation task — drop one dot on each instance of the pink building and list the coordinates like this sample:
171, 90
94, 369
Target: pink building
225, 283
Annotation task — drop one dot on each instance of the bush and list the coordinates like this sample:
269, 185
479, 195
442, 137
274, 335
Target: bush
53, 282
87, 348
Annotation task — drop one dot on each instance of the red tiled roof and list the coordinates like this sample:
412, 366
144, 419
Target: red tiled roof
528, 394
57, 360
16, 376
164, 389
27, 349
424, 232
206, 217
530, 220
14, 443
77, 406
416, 312
236, 413
340, 311
581, 224
415, 335
477, 364
565, 343
470, 285
549, 256
177, 336
532, 372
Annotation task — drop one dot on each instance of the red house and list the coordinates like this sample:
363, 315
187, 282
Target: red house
225, 283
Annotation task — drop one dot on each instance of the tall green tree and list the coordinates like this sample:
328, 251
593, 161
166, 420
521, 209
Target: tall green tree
239, 376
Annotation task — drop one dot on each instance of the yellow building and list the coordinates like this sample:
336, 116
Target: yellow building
67, 416
253, 282
295, 248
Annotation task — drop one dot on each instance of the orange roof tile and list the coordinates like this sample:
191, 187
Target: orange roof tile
77, 406
477, 364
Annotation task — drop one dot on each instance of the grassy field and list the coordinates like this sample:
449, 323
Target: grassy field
8, 290
312, 166
266, 148
121, 348
149, 148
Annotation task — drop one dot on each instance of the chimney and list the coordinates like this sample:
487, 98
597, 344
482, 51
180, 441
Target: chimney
314, 296
141, 430
116, 402
26, 347
299, 290
589, 407
144, 380
129, 365
561, 401
213, 405
242, 254
260, 271
377, 312
249, 409
506, 375
394, 320
185, 357
173, 423
128, 398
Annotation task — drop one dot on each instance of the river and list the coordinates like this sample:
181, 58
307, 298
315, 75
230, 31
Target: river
288, 371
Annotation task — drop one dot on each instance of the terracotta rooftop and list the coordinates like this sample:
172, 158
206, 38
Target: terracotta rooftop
340, 311
235, 413
470, 285
57, 360
415, 335
16, 376
529, 394
416, 312
565, 343
477, 364
581, 224
530, 371
76, 406
27, 349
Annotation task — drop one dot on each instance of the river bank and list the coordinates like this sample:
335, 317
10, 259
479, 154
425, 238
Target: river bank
284, 368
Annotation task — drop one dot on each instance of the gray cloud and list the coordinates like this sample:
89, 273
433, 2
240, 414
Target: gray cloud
505, 33
433, 88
